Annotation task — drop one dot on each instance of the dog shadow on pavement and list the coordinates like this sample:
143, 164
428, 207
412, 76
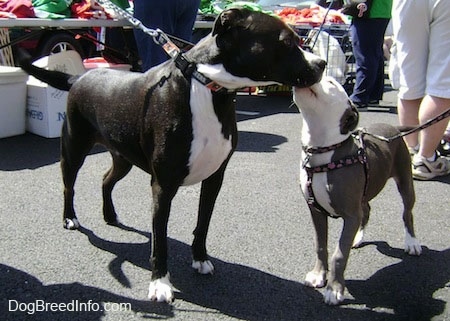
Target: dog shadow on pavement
23, 298
235, 290
30, 151
406, 287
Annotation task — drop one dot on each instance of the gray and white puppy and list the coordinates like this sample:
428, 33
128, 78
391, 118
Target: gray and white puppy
345, 188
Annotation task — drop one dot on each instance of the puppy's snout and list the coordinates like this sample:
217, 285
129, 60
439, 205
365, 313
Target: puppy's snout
320, 64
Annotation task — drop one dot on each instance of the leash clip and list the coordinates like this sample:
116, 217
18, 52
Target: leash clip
163, 40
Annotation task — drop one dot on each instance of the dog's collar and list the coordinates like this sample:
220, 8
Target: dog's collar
189, 69
310, 150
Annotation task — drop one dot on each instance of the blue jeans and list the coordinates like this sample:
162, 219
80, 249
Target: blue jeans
174, 17
367, 37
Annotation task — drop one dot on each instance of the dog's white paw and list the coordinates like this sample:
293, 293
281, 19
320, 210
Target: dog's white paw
315, 280
71, 224
203, 267
358, 238
333, 297
160, 290
412, 245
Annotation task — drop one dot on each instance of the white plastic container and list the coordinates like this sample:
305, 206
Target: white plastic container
46, 106
13, 95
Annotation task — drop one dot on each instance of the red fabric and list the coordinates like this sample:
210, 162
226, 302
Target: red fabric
88, 9
20, 8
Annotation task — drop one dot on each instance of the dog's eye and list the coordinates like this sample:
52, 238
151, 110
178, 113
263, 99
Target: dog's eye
288, 42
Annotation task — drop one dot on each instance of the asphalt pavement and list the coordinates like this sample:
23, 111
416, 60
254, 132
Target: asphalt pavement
260, 240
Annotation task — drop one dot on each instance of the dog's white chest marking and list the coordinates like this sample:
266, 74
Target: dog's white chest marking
209, 148
319, 184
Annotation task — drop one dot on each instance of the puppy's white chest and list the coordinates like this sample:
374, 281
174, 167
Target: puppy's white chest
209, 148
319, 184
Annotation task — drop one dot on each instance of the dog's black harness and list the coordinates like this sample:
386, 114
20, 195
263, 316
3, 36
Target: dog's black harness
360, 157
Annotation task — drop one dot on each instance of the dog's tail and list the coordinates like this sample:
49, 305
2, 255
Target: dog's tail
57, 79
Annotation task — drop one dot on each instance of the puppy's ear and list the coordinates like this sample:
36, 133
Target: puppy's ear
349, 119
226, 20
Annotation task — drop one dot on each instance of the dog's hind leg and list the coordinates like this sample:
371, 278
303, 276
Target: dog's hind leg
74, 150
317, 278
208, 195
334, 294
406, 189
119, 169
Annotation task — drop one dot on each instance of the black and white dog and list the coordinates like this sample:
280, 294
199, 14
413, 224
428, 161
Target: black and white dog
171, 125
340, 174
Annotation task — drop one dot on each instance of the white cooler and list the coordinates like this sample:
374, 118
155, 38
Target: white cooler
13, 97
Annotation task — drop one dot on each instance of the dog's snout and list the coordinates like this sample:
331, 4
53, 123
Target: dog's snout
319, 64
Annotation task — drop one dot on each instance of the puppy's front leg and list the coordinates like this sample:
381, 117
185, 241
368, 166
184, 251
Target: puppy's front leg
160, 288
334, 294
208, 195
317, 277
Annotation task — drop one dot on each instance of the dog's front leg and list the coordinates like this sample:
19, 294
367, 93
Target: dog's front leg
317, 277
160, 288
208, 195
334, 294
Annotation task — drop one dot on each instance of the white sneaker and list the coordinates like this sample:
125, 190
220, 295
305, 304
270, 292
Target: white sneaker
423, 169
413, 151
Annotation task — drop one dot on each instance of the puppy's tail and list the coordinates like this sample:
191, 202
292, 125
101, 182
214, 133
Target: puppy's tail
57, 79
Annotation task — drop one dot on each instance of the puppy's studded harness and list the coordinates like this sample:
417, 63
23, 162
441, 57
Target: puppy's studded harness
360, 157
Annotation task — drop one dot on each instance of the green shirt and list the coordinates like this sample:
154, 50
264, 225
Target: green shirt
381, 9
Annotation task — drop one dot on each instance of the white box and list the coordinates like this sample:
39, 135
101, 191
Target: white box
46, 109
13, 93
46, 105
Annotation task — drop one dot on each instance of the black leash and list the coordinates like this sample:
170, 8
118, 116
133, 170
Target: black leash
428, 123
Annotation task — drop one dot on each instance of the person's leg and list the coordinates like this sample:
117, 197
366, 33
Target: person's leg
437, 99
358, 32
143, 41
426, 163
377, 89
408, 111
153, 14
186, 15
431, 136
411, 41
367, 41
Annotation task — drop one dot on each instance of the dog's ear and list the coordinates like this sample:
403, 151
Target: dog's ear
226, 20
349, 119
